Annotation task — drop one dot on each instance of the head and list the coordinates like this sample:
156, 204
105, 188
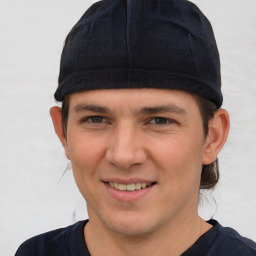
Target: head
138, 137
141, 107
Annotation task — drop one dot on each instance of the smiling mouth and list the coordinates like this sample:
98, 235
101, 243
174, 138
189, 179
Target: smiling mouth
129, 187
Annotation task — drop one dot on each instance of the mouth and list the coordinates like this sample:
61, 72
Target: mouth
130, 187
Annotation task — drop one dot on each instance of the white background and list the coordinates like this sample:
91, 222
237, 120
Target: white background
32, 199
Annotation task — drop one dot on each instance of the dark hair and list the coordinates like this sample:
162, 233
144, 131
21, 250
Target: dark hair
210, 172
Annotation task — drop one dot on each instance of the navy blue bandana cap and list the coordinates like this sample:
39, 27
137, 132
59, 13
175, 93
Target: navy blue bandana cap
166, 44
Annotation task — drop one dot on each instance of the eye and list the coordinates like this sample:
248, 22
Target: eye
161, 120
95, 119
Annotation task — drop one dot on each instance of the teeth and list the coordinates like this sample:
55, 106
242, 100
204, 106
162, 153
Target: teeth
143, 185
138, 186
128, 187
122, 187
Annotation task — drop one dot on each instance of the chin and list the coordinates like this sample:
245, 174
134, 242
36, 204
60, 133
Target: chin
131, 230
130, 225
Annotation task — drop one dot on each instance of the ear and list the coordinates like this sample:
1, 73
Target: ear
217, 135
55, 113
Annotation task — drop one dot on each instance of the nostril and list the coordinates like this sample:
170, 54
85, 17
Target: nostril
125, 158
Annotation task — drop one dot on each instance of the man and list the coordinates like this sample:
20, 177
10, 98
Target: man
142, 126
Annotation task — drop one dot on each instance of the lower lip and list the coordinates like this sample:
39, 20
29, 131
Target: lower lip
127, 196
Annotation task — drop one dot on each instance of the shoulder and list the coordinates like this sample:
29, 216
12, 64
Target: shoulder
230, 242
221, 241
54, 243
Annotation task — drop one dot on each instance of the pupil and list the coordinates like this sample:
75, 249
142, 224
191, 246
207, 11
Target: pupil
97, 119
160, 120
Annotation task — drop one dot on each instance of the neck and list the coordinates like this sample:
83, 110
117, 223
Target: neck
173, 239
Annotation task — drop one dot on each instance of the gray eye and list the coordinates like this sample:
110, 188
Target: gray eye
96, 119
160, 120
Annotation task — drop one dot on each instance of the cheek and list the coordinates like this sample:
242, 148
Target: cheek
180, 159
182, 172
86, 154
84, 147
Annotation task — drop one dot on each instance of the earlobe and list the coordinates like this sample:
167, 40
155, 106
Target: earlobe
55, 113
217, 136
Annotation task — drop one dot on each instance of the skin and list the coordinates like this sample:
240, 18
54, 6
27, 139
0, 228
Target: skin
140, 135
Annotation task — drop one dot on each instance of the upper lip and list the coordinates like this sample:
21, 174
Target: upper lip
127, 181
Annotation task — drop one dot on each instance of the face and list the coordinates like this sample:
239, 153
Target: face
137, 156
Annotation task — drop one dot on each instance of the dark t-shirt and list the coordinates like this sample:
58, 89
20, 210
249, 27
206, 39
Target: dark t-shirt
69, 241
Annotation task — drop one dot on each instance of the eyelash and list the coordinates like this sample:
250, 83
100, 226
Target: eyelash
154, 120
167, 120
90, 119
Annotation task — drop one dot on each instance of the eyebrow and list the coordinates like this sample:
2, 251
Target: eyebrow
93, 108
161, 109
145, 110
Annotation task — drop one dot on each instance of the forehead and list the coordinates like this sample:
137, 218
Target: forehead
134, 99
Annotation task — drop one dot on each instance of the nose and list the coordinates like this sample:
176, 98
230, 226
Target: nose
125, 148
